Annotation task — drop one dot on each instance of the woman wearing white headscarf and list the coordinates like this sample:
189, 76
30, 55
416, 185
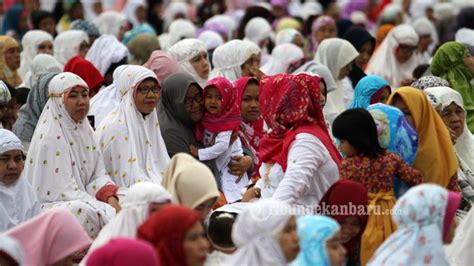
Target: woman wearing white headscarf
41, 63
211, 39
34, 42
141, 200
285, 59
105, 52
69, 44
18, 201
337, 55
235, 59
450, 106
135, 10
227, 21
427, 39
394, 60
180, 29
257, 234
258, 31
129, 137
111, 22
289, 36
173, 10
459, 253
191, 55
64, 164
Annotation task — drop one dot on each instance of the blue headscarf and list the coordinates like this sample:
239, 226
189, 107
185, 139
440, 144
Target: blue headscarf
395, 135
143, 28
365, 89
12, 19
314, 231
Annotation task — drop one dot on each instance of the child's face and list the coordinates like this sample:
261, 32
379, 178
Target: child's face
336, 251
213, 101
347, 148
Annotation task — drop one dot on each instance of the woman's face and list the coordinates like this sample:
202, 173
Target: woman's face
83, 49
200, 64
298, 41
325, 32
49, 25
252, 62
45, 47
140, 12
350, 228
146, 96
193, 103
204, 208
469, 60
345, 71
336, 251
424, 42
77, 103
11, 166
289, 240
322, 97
12, 58
250, 107
385, 95
400, 104
365, 53
453, 116
195, 245
404, 52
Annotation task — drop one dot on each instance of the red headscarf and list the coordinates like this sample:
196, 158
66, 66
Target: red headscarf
347, 193
250, 132
229, 118
86, 70
166, 229
290, 105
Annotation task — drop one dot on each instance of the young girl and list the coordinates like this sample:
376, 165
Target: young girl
366, 162
221, 118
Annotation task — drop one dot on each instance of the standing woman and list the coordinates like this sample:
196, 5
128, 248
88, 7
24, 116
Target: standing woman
454, 63
365, 45
191, 55
435, 157
64, 165
337, 55
129, 137
299, 159
394, 60
9, 61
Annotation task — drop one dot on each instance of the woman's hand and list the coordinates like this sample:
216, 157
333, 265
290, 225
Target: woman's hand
257, 73
194, 151
113, 201
250, 194
239, 165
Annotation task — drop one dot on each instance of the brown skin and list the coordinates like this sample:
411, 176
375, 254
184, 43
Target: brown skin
204, 208
77, 103
404, 52
424, 43
322, 97
345, 71
46, 47
350, 228
141, 14
452, 231
195, 245
49, 25
454, 118
299, 41
250, 106
469, 60
365, 53
146, 96
213, 101
400, 104
325, 32
347, 148
193, 103
385, 95
336, 251
200, 63
11, 166
250, 65
83, 49
289, 240
12, 58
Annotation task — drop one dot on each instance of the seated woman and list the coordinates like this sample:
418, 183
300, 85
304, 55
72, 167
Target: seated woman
450, 107
64, 165
130, 137
177, 234
191, 55
18, 201
371, 89
425, 217
299, 159
123, 251
265, 234
435, 157
344, 194
57, 237
285, 58
191, 184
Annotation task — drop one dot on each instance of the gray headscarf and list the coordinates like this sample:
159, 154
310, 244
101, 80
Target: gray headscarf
30, 112
176, 126
321, 70
86, 26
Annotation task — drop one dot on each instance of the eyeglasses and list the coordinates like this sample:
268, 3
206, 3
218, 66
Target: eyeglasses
146, 90
196, 98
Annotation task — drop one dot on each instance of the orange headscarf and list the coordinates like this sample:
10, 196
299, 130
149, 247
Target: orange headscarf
382, 33
435, 157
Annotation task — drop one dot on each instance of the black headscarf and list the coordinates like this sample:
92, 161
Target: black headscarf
358, 36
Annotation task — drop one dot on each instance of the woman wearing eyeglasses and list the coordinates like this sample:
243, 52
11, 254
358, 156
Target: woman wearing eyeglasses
129, 137
394, 59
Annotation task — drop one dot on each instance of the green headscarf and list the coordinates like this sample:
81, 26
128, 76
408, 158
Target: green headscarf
448, 64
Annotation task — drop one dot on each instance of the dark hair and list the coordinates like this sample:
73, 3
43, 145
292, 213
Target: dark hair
420, 70
219, 229
21, 95
38, 15
358, 128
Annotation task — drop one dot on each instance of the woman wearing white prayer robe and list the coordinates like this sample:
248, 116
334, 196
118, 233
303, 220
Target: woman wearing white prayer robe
129, 137
18, 201
34, 42
64, 164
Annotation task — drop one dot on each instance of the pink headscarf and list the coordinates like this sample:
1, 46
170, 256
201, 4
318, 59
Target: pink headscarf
162, 64
50, 237
454, 200
122, 252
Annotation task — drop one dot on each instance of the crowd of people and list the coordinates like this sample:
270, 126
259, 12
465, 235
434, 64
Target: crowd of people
228, 132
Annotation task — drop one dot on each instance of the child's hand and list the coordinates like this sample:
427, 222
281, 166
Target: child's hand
194, 151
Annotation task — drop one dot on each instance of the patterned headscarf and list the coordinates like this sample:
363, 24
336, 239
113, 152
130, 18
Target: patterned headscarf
429, 82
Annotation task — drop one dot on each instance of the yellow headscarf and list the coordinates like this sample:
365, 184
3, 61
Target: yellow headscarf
435, 157
189, 181
6, 74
